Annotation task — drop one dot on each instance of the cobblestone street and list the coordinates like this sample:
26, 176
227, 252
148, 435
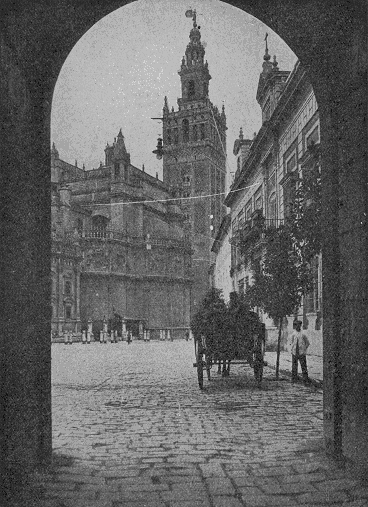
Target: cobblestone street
131, 428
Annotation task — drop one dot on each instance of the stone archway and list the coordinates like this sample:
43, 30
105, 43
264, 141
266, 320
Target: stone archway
330, 40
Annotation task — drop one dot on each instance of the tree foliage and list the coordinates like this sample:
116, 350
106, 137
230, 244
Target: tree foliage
280, 282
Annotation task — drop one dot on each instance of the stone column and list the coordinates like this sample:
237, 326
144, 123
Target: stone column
124, 330
141, 330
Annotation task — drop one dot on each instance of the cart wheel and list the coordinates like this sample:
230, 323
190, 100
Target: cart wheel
258, 370
200, 370
208, 366
199, 364
259, 347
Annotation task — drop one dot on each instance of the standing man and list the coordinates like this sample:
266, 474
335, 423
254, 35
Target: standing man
299, 344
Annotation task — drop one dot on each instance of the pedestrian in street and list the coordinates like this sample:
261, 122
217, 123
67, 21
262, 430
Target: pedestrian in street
187, 335
299, 344
129, 339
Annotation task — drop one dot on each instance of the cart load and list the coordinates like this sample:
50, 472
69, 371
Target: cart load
227, 333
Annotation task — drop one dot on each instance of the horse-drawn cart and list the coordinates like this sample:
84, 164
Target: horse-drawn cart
236, 338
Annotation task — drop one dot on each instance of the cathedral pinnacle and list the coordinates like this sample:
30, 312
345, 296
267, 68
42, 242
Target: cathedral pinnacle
266, 56
241, 136
267, 65
166, 105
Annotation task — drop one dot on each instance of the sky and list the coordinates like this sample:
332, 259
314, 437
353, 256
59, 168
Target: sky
118, 73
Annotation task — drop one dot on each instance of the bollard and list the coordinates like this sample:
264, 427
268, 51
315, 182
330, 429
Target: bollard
65, 337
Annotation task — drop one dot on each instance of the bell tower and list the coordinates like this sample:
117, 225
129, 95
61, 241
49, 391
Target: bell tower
194, 156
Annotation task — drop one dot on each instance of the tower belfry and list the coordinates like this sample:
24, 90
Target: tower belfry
194, 159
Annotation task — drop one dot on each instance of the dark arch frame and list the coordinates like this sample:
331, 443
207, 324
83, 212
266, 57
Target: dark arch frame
329, 38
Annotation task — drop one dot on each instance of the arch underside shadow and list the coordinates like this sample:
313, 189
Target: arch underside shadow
329, 38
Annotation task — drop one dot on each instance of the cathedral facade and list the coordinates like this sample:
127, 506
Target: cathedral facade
129, 245
119, 249
194, 158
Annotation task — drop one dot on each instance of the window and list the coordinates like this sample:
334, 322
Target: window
241, 218
191, 90
195, 132
234, 225
272, 210
238, 164
185, 126
99, 226
68, 287
205, 89
248, 209
312, 299
241, 286
291, 163
126, 171
312, 137
68, 312
258, 199
203, 131
117, 169
267, 110
168, 136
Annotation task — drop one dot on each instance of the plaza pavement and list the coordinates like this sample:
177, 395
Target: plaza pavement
132, 429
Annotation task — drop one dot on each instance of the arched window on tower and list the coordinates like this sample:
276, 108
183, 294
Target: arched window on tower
191, 90
168, 136
185, 125
175, 135
195, 132
205, 89
203, 131
117, 169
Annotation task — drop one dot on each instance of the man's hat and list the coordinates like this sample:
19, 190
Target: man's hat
296, 321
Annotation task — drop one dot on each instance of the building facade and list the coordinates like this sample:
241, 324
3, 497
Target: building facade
119, 249
194, 157
266, 178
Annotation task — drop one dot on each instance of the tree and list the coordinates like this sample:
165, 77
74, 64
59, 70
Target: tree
281, 281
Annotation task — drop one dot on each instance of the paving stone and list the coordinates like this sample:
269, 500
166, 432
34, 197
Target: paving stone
212, 470
338, 484
226, 501
323, 497
311, 478
243, 481
220, 486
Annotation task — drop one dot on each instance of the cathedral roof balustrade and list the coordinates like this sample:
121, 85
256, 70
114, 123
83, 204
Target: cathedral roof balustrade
114, 235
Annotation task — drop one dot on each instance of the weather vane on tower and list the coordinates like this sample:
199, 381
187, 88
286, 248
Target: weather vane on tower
191, 13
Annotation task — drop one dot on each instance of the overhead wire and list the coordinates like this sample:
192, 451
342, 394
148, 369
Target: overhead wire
147, 201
